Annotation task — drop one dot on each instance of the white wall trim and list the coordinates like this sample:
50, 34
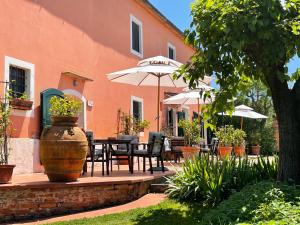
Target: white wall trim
83, 99
169, 45
134, 98
30, 71
138, 22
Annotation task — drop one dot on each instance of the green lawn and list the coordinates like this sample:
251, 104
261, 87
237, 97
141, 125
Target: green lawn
260, 204
168, 212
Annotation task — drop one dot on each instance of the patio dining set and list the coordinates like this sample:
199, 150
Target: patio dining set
124, 148
127, 147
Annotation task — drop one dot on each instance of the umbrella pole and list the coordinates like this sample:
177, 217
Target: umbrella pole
242, 123
158, 102
199, 118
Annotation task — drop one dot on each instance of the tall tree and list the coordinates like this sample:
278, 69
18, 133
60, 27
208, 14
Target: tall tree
236, 40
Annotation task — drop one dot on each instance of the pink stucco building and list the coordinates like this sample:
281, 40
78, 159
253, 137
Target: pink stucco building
71, 45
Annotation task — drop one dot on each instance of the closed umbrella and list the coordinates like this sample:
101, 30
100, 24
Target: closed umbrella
156, 71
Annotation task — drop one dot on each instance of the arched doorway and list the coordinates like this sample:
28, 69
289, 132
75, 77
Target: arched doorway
82, 116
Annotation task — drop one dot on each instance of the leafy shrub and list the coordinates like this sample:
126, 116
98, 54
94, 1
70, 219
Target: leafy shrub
191, 131
225, 135
210, 180
66, 106
239, 137
262, 203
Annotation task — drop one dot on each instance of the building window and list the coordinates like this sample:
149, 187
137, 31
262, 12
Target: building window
171, 51
137, 108
17, 81
20, 74
136, 36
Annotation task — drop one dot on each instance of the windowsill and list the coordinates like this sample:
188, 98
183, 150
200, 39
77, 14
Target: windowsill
23, 113
140, 55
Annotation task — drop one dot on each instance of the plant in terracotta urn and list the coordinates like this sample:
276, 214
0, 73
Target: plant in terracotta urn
225, 136
6, 170
63, 146
239, 142
191, 130
255, 139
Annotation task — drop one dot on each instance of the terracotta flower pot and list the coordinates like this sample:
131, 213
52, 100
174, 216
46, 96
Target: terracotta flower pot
63, 149
6, 172
239, 151
189, 152
255, 149
224, 151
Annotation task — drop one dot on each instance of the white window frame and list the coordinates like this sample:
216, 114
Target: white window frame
30, 73
140, 24
172, 47
140, 100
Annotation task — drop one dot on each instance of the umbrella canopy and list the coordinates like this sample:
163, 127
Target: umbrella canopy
244, 111
190, 97
156, 71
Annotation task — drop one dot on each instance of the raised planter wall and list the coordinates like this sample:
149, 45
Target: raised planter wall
48, 199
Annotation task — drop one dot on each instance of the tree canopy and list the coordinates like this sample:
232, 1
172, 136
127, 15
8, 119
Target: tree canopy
241, 39
246, 40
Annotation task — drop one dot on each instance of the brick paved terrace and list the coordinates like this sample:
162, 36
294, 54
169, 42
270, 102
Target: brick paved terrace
32, 196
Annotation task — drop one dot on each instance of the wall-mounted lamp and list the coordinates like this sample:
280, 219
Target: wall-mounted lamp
75, 83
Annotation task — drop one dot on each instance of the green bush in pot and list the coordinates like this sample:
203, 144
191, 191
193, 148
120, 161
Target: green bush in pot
6, 128
64, 107
191, 130
226, 138
239, 142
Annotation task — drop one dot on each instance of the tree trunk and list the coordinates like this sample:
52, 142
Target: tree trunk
287, 107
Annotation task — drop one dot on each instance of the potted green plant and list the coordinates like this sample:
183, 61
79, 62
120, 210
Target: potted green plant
23, 102
63, 146
6, 170
131, 129
191, 130
239, 142
140, 125
226, 137
255, 140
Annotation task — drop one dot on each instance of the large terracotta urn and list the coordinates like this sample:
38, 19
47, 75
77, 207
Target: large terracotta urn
63, 149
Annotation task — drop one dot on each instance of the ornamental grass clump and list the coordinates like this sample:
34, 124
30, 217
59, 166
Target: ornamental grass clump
67, 106
210, 180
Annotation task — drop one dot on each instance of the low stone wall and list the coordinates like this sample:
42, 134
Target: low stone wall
48, 199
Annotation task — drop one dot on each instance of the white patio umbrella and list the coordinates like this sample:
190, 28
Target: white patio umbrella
155, 71
245, 111
191, 97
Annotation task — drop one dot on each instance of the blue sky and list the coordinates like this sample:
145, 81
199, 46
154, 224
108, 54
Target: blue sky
178, 12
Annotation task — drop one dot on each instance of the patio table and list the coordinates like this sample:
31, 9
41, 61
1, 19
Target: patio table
108, 147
